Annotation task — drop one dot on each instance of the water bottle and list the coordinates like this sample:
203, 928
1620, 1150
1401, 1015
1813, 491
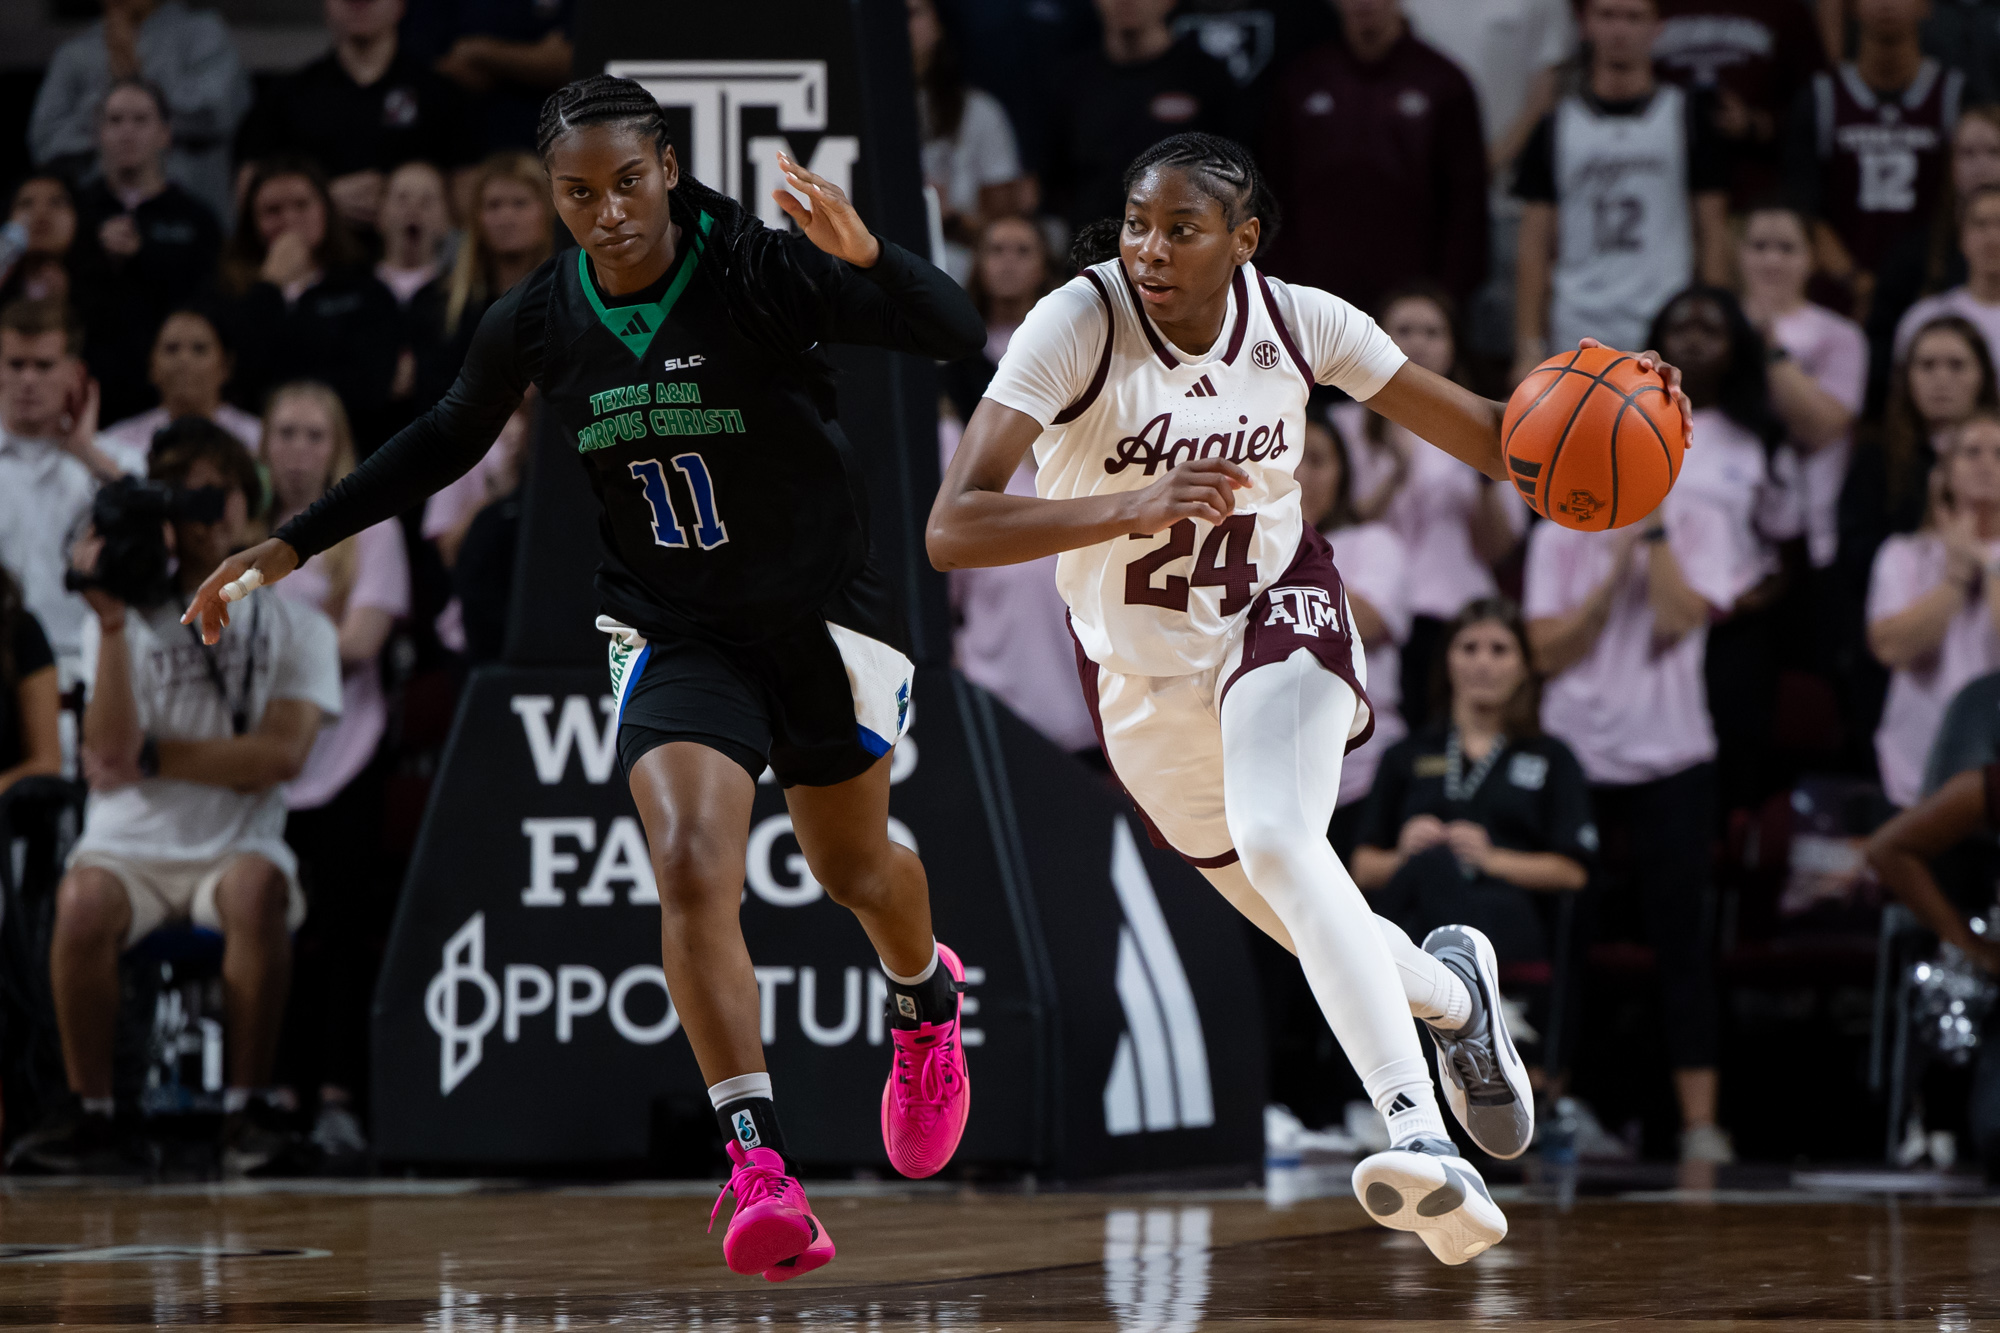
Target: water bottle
1560, 1134
13, 244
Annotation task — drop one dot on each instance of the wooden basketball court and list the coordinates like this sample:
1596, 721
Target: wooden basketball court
493, 1255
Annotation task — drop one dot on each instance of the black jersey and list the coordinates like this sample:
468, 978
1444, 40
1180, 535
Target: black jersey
730, 503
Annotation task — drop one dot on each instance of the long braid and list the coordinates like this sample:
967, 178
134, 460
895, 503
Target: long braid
1220, 168
600, 99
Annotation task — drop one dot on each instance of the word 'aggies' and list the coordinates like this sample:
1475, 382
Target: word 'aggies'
1150, 447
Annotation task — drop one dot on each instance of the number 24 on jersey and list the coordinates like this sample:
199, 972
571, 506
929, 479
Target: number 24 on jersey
1224, 563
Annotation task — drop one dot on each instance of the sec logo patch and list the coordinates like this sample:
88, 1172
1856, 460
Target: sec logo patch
1264, 355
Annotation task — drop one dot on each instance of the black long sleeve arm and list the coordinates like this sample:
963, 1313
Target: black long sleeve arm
903, 303
433, 451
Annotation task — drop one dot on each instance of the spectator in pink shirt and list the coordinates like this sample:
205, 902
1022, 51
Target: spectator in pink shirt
1374, 564
1013, 633
1455, 522
1733, 467
1945, 378
1819, 365
363, 586
190, 364
1978, 297
452, 511
1620, 625
1934, 604
1011, 271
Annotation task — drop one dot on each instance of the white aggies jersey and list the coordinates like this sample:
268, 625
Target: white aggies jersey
1120, 411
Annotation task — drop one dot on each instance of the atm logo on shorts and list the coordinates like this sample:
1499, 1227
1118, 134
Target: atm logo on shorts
1306, 610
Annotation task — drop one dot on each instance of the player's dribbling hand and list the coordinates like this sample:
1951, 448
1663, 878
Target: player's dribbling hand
1204, 488
828, 220
271, 559
1651, 362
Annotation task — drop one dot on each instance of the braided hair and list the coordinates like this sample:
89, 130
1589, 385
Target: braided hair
738, 243
1220, 168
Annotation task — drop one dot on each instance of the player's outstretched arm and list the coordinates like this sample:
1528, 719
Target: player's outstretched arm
428, 454
975, 522
1467, 426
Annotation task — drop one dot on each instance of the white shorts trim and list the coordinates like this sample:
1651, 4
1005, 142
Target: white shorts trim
881, 679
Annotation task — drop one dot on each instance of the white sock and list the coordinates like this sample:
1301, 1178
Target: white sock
918, 979
104, 1106
1401, 1091
1436, 993
734, 1089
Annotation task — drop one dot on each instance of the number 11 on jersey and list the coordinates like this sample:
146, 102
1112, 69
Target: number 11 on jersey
667, 529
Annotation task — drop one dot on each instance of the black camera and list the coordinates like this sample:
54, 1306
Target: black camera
130, 514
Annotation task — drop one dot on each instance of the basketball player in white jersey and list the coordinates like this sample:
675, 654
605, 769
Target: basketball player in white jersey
1164, 394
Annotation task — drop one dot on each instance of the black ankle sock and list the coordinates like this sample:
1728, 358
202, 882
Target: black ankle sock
753, 1123
932, 1000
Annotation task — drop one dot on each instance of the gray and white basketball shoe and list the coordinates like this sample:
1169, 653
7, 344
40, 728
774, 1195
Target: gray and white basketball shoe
1426, 1187
1485, 1082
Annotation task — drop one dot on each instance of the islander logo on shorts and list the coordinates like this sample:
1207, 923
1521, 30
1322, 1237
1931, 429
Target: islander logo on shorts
1306, 610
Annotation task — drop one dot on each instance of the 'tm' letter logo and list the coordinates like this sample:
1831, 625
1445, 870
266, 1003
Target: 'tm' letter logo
715, 93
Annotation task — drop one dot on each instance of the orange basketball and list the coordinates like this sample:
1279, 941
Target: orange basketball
1591, 442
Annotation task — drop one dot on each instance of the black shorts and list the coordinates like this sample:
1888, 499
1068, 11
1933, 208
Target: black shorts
818, 704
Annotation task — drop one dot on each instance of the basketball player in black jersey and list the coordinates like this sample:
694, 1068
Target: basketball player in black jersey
677, 348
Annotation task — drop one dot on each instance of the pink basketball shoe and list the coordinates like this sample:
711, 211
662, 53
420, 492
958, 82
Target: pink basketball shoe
927, 1097
773, 1230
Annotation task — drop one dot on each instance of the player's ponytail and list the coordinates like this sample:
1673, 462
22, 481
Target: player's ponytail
1095, 243
1220, 168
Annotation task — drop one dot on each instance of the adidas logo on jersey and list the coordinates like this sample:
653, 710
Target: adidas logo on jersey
636, 327
1203, 388
1149, 448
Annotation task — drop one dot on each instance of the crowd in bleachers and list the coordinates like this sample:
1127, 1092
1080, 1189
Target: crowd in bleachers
1795, 201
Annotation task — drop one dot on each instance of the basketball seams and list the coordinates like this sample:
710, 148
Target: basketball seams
1629, 403
1554, 380
1673, 473
1555, 454
1617, 422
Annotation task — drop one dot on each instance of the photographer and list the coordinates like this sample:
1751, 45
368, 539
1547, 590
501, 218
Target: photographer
185, 748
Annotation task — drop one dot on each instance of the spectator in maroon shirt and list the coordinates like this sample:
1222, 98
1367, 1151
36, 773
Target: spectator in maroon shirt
1375, 153
1108, 105
1753, 57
